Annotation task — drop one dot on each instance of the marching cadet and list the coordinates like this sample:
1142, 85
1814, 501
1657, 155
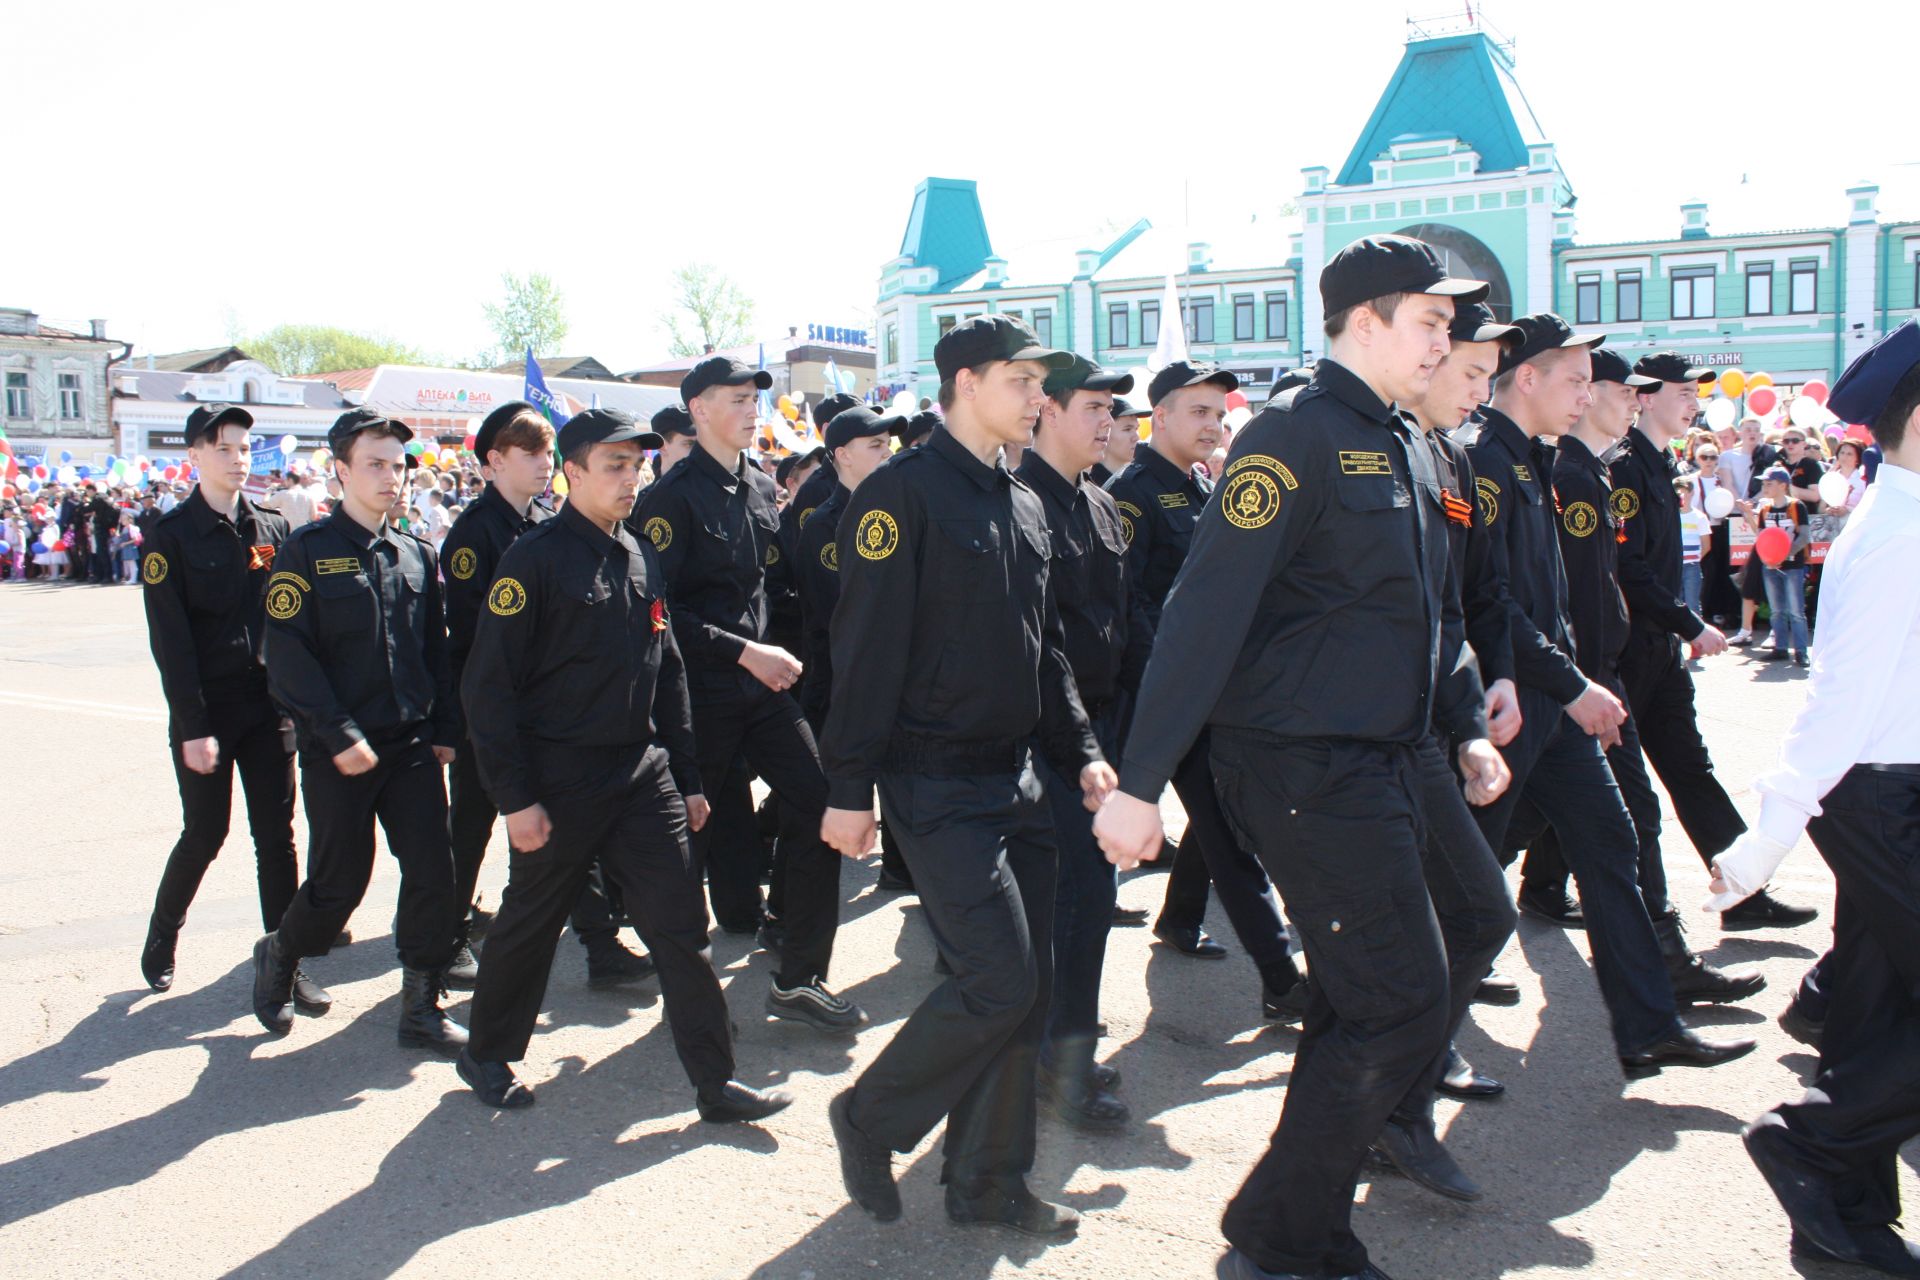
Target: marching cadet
1118, 454
947, 626
674, 426
515, 445
1160, 496
1106, 649
1659, 688
1849, 776
205, 571
1324, 554
714, 524
578, 714
357, 653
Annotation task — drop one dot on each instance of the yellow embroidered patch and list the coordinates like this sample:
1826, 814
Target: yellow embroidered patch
830, 557
1489, 494
154, 568
1581, 519
773, 553
1250, 499
285, 595
463, 563
338, 564
1268, 461
1625, 503
507, 598
659, 533
805, 516
1172, 501
1357, 462
876, 535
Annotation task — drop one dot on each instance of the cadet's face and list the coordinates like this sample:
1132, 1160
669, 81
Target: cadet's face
1187, 423
1006, 399
1563, 390
728, 415
1124, 434
604, 490
1615, 406
521, 472
1412, 347
1460, 384
376, 475
1083, 427
1672, 409
857, 460
798, 476
675, 448
224, 461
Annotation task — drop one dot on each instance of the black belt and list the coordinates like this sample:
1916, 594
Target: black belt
1905, 770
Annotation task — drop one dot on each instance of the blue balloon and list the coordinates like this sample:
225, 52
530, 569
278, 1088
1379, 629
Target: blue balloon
84, 470
33, 486
66, 455
39, 548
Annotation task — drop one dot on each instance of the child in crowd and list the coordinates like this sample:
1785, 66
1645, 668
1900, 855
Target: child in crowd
1786, 582
1696, 539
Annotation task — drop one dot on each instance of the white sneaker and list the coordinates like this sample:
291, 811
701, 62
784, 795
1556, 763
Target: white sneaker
1742, 636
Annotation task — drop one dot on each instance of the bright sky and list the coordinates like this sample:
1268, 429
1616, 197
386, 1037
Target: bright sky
184, 168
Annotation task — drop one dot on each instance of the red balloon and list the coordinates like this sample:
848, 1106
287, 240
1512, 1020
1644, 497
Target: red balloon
1763, 401
6, 445
40, 472
1237, 400
1815, 391
6, 491
472, 439
1772, 546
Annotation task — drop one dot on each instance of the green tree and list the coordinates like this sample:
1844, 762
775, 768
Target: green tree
708, 310
291, 349
533, 314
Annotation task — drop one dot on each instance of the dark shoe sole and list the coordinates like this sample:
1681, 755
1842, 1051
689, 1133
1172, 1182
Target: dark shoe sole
1503, 997
745, 1115
514, 1101
608, 981
1641, 1072
1384, 1155
814, 1018
1748, 926
845, 1136
1564, 922
1470, 1093
261, 961
1077, 1119
1722, 996
445, 1048
1061, 1232
314, 1007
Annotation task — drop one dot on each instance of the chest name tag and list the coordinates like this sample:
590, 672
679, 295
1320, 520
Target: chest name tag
1522, 473
339, 564
1356, 463
1172, 500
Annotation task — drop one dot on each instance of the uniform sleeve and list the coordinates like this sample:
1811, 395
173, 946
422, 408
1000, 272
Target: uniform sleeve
1484, 602
1138, 527
468, 564
869, 638
1537, 661
819, 582
1211, 607
296, 674
1460, 701
1064, 733
668, 523
163, 570
490, 686
448, 724
1646, 598
1579, 525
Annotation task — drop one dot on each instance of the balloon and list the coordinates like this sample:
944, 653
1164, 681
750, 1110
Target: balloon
1732, 383
66, 455
904, 402
428, 458
288, 444
1762, 400
33, 486
4, 548
84, 471
319, 458
1804, 413
69, 475
415, 448
1758, 380
61, 545
1236, 400
1719, 504
39, 547
1239, 417
784, 403
1720, 414
1857, 432
473, 438
560, 484
40, 472
790, 411
1772, 546
1815, 391
7, 491
1834, 489
6, 445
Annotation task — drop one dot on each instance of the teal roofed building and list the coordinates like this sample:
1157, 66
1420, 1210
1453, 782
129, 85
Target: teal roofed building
1452, 153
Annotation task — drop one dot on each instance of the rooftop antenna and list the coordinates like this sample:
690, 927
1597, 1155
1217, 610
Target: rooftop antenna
1468, 19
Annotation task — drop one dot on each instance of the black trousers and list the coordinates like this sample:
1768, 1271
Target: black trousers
1084, 894
1660, 695
1209, 852
1546, 866
470, 819
406, 793
1337, 825
1470, 901
769, 730
1719, 596
982, 854
734, 852
258, 742
1865, 1101
617, 806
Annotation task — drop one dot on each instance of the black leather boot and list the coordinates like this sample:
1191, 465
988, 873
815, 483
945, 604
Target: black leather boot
273, 985
1694, 980
156, 958
422, 1023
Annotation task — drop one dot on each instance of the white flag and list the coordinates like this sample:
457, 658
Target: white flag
1172, 346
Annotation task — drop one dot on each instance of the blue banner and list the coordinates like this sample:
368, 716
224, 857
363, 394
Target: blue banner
540, 398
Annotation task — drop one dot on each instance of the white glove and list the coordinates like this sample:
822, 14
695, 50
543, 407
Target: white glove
1743, 870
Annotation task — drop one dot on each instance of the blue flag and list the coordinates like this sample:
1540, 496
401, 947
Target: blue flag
540, 398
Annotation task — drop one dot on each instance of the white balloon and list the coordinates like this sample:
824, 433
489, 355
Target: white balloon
905, 402
1834, 489
1719, 504
1721, 413
1238, 418
1804, 414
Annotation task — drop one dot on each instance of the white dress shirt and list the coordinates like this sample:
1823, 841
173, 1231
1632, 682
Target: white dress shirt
1736, 468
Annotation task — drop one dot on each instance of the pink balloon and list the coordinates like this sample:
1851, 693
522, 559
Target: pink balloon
1815, 391
1772, 546
1763, 401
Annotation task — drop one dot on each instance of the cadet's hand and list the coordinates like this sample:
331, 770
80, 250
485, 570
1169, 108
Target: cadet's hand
1097, 782
698, 811
1708, 643
1485, 771
771, 665
1503, 712
529, 829
1596, 711
1743, 869
444, 754
1129, 830
850, 831
200, 754
357, 758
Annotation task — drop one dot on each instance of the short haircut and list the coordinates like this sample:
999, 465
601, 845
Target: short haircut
528, 430
1682, 482
950, 393
1890, 427
1542, 361
1383, 306
383, 429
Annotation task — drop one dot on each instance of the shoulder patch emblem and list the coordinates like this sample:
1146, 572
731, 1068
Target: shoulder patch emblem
286, 592
463, 563
773, 553
1250, 499
805, 516
1625, 503
876, 535
507, 598
1171, 501
1271, 463
659, 533
1355, 462
830, 557
1489, 495
153, 570
338, 564
1580, 519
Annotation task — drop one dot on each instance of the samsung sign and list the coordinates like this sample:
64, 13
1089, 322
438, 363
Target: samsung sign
834, 335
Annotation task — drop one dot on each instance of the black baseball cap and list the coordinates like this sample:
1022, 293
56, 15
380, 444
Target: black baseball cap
784, 468
1375, 266
494, 423
1543, 332
207, 419
1289, 380
832, 407
1860, 394
1082, 374
673, 420
1122, 409
1671, 366
1611, 366
604, 426
918, 428
1181, 374
354, 421
852, 424
720, 371
985, 339
1475, 322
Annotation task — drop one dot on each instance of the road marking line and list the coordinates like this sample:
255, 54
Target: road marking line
83, 706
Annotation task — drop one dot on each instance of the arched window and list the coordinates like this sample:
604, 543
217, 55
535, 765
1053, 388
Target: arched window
1465, 255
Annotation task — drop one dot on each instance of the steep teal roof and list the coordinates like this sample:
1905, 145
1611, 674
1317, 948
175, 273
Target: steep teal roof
1456, 86
946, 230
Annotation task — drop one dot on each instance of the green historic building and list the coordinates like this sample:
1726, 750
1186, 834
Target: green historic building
1453, 154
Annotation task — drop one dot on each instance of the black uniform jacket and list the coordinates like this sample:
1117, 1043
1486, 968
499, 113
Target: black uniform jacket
1650, 558
468, 558
1590, 537
816, 572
